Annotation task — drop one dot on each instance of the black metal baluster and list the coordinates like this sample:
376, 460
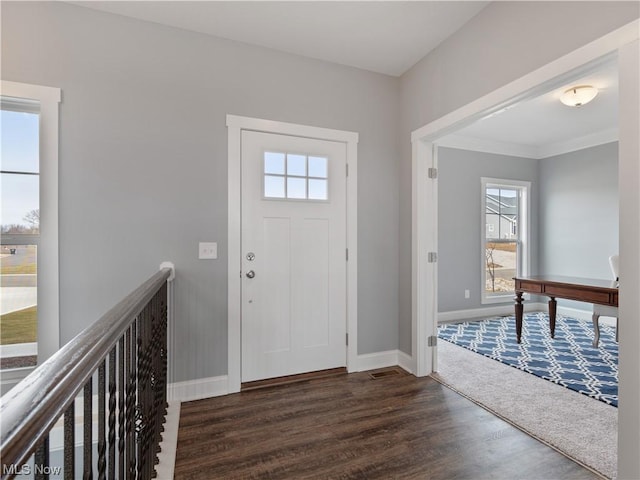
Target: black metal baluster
87, 439
41, 461
102, 438
121, 405
131, 402
156, 358
142, 390
112, 415
70, 442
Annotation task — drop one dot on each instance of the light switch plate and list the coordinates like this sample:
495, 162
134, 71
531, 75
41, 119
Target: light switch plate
207, 250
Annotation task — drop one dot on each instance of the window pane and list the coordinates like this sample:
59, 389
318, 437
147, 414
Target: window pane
20, 141
20, 203
508, 202
296, 165
296, 188
501, 266
18, 304
273, 186
493, 225
318, 167
274, 163
317, 189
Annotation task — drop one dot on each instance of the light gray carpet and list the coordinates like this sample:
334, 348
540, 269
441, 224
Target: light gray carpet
581, 427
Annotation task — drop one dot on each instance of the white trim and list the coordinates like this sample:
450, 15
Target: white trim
405, 361
293, 129
528, 151
555, 73
424, 292
629, 305
373, 361
529, 86
389, 358
456, 315
235, 126
198, 389
487, 146
524, 210
12, 376
18, 349
580, 143
218, 386
48, 277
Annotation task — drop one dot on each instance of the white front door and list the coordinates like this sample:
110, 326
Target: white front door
294, 294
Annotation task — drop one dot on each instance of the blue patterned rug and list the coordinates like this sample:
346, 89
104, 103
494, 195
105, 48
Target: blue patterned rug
569, 359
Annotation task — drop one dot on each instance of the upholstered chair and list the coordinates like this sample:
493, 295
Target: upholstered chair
603, 310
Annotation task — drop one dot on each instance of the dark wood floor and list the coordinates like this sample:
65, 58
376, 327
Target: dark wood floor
353, 426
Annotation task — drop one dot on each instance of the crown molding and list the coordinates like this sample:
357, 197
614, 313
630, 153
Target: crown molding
536, 152
587, 141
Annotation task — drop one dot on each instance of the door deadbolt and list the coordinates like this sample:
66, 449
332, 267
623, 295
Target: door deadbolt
251, 256
251, 274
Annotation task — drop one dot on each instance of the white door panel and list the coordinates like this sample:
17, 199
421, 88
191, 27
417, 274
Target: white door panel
294, 308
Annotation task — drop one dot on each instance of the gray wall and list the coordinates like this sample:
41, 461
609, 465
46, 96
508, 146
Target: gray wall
574, 216
579, 213
505, 41
459, 219
143, 161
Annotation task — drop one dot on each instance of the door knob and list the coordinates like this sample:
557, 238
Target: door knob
251, 274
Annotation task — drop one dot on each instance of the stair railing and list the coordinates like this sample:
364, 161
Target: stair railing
124, 357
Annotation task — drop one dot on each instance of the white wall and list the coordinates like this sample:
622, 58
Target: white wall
143, 161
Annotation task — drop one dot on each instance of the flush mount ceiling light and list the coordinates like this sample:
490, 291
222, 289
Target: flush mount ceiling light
578, 96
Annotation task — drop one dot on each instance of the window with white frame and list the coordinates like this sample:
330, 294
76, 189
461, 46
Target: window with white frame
29, 241
295, 176
505, 237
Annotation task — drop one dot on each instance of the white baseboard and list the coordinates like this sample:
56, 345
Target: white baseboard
585, 315
575, 313
487, 311
390, 358
528, 307
198, 389
406, 362
373, 361
218, 386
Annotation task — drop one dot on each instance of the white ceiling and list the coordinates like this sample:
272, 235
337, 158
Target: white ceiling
543, 126
389, 37
381, 36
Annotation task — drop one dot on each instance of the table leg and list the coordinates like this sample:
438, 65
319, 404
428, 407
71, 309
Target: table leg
552, 316
519, 309
596, 329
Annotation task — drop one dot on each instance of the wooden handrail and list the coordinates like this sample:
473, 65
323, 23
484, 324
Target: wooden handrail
30, 409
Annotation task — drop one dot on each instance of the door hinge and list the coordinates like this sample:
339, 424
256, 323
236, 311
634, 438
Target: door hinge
432, 172
432, 257
347, 169
347, 254
432, 341
346, 339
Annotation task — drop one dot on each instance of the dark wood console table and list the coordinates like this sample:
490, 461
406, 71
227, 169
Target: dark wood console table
601, 292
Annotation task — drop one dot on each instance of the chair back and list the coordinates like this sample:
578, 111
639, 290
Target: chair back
613, 263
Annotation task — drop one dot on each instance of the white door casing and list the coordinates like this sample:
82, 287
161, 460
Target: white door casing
293, 257
237, 126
